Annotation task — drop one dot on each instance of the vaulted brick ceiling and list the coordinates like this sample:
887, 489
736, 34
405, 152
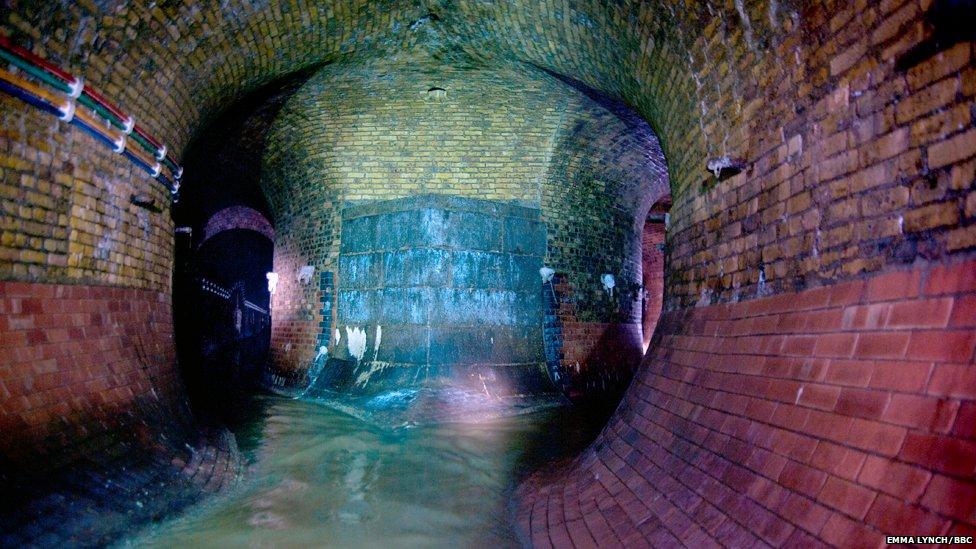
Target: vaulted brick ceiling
692, 70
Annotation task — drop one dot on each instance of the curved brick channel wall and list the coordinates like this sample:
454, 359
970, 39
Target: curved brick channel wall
856, 202
836, 415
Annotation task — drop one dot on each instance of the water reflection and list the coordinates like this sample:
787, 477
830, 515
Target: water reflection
322, 477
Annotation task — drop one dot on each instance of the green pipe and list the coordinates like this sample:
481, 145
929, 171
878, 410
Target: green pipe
142, 142
61, 86
84, 99
120, 124
35, 71
101, 111
171, 165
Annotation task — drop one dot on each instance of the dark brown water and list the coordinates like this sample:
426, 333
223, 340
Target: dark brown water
320, 477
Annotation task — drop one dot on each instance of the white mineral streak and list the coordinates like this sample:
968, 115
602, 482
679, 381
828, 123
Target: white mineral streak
356, 342
305, 274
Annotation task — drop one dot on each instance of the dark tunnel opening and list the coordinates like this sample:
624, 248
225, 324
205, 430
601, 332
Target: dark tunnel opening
653, 255
222, 318
223, 258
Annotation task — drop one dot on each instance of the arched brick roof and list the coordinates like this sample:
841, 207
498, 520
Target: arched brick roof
237, 217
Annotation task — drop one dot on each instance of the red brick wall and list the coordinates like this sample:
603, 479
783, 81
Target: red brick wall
594, 358
237, 217
652, 276
599, 355
836, 415
78, 361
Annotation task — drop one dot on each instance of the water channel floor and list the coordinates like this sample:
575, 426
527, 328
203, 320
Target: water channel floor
320, 477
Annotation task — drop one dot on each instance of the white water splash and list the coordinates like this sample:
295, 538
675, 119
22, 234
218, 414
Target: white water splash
374, 367
318, 364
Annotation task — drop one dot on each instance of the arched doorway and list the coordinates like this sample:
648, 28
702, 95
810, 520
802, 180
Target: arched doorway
652, 267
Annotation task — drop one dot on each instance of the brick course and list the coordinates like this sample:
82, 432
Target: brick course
73, 358
237, 217
736, 428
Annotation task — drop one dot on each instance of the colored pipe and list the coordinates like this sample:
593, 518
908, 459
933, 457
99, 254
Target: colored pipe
148, 137
64, 82
97, 97
27, 97
32, 89
29, 56
87, 96
34, 71
92, 130
45, 100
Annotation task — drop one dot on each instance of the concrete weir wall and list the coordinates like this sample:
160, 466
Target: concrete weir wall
447, 290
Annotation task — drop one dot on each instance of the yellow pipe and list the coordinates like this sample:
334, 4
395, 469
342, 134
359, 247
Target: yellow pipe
34, 89
63, 104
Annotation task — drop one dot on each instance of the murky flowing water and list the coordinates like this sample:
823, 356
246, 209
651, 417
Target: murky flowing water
320, 477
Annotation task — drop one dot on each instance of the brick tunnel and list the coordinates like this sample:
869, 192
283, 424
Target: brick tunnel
743, 229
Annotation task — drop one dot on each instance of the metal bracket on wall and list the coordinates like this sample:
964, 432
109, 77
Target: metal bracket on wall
145, 202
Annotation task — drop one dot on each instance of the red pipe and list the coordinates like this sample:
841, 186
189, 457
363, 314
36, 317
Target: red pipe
39, 61
147, 137
105, 103
27, 55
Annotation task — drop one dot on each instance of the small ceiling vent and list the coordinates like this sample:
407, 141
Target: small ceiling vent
436, 93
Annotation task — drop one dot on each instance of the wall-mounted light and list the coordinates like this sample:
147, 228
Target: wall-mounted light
305, 274
272, 282
436, 92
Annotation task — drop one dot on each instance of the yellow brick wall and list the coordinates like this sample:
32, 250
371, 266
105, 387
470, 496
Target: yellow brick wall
66, 208
806, 92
